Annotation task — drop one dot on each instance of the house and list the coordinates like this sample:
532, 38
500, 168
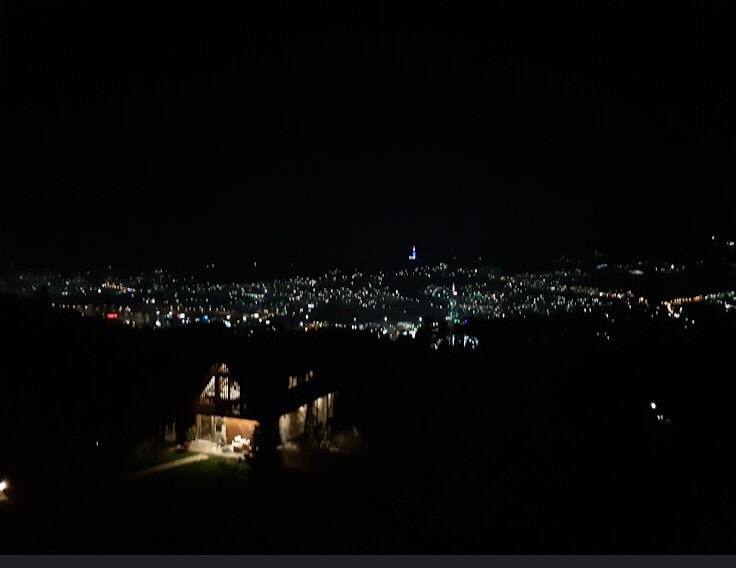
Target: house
295, 410
221, 410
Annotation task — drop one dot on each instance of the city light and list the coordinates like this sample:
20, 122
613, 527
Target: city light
380, 300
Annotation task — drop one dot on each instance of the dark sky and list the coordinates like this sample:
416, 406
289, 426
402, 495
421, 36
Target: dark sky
343, 132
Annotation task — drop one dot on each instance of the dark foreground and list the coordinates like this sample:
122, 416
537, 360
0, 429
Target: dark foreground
539, 485
545, 442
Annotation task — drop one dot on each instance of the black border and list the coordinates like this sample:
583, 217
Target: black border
384, 561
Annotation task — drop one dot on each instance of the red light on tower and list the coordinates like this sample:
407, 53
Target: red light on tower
112, 316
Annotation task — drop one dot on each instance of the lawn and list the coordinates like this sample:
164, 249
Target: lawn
213, 475
148, 455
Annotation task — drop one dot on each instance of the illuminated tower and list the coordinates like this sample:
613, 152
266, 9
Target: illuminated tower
413, 255
452, 316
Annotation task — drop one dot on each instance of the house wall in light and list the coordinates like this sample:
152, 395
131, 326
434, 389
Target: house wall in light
224, 428
292, 424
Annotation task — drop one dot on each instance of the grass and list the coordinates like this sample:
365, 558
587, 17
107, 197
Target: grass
147, 455
215, 474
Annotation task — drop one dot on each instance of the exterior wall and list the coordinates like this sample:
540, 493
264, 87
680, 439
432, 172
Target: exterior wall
318, 413
323, 408
239, 427
207, 427
291, 425
222, 394
229, 428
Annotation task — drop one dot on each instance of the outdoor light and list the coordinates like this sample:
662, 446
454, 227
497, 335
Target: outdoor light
3, 485
653, 405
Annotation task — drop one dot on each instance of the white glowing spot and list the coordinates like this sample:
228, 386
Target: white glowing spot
653, 405
3, 485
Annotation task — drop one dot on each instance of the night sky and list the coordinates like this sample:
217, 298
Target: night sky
341, 133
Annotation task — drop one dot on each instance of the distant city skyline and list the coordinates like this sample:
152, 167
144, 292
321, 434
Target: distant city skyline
386, 298
255, 267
